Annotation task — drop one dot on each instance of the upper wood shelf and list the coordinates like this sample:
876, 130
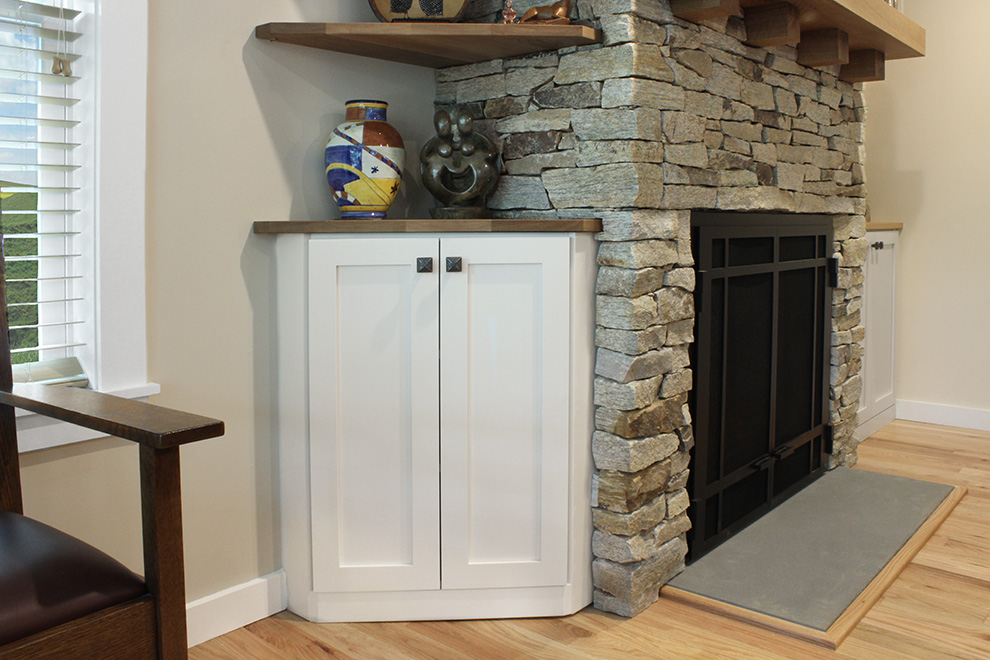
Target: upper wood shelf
430, 44
423, 226
884, 226
871, 24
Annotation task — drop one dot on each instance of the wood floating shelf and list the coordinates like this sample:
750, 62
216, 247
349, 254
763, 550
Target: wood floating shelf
425, 226
884, 226
860, 35
430, 44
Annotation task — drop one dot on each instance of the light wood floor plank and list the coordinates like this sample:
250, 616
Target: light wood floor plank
873, 642
602, 636
241, 644
704, 635
370, 640
493, 640
940, 608
292, 640
937, 609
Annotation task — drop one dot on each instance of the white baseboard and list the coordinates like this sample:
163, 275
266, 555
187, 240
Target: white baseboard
934, 413
875, 423
236, 607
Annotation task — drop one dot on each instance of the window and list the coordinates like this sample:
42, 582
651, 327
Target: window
107, 204
38, 159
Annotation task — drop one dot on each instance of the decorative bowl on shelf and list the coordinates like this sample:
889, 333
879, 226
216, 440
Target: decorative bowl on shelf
418, 10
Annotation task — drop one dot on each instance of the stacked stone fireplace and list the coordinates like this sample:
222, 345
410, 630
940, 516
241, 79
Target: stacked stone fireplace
662, 118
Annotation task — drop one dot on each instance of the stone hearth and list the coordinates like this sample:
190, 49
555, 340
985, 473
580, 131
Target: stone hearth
663, 117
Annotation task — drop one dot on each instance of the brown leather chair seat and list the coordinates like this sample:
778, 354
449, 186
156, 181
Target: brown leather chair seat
48, 578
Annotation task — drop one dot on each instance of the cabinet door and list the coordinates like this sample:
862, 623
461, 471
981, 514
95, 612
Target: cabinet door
505, 343
373, 410
878, 320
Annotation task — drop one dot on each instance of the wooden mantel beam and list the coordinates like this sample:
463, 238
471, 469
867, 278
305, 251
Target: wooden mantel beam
871, 24
868, 24
823, 47
701, 10
771, 25
864, 66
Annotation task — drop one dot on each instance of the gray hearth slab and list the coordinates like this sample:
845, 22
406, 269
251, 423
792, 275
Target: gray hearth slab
809, 558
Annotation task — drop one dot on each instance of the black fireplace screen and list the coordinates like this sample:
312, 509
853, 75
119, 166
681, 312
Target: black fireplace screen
761, 356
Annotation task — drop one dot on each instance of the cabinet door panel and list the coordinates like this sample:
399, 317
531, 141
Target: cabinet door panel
878, 318
505, 323
374, 464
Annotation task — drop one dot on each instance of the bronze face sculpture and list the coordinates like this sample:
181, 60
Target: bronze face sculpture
460, 170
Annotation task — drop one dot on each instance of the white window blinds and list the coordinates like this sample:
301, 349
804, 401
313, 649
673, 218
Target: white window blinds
38, 170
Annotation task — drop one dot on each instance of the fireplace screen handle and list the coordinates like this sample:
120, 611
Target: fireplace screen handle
764, 462
784, 452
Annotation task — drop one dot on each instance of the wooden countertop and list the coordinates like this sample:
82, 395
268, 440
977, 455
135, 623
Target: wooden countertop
884, 226
423, 226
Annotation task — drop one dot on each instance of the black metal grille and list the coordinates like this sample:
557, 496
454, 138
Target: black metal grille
761, 359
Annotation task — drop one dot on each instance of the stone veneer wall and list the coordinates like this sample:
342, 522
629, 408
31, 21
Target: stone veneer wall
667, 116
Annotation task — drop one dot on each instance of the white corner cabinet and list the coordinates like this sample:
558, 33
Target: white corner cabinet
878, 399
434, 418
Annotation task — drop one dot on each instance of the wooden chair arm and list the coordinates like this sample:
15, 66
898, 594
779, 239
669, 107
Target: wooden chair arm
152, 426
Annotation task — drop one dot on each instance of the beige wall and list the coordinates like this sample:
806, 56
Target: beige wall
928, 137
236, 130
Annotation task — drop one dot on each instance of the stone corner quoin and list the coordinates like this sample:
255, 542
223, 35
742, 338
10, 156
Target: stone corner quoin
663, 117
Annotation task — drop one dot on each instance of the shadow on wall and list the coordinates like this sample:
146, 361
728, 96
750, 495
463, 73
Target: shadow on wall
301, 94
258, 270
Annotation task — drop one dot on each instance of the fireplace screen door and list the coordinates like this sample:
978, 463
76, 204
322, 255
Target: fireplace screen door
760, 403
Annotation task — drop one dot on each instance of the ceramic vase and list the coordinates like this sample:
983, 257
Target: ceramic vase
364, 160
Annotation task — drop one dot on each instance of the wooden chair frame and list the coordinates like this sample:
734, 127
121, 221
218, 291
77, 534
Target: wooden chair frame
150, 627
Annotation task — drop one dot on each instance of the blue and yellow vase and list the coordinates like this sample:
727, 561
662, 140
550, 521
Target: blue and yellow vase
364, 160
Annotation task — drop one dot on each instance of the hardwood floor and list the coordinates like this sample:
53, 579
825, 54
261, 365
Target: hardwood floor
938, 608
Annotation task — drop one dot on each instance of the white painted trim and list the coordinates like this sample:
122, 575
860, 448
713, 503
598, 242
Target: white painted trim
445, 604
36, 431
112, 130
875, 423
119, 125
935, 413
236, 607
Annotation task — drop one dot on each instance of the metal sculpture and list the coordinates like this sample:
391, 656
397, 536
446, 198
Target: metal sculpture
555, 14
460, 170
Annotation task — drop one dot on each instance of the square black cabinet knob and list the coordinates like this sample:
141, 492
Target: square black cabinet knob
453, 264
424, 264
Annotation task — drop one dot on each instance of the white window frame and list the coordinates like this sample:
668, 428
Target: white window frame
116, 359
